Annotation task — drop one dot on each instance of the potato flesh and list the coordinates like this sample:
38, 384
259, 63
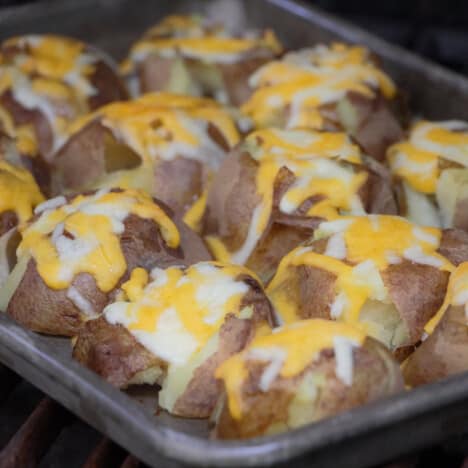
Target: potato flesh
384, 323
12, 282
150, 376
452, 187
181, 80
178, 377
420, 209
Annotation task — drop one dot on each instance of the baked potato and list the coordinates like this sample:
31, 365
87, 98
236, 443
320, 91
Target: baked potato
167, 144
174, 329
382, 273
431, 169
336, 87
299, 374
19, 195
273, 190
444, 351
77, 251
46, 82
190, 55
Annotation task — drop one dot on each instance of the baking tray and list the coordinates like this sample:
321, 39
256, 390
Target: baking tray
361, 437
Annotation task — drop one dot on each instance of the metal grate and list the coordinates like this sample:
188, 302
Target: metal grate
35, 431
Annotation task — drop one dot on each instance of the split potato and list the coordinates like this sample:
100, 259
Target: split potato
300, 374
431, 169
381, 273
47, 81
274, 189
336, 87
190, 55
166, 144
77, 251
174, 328
444, 351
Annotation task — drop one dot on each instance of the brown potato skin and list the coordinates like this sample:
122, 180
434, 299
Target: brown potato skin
417, 292
377, 126
233, 197
202, 392
82, 161
104, 78
454, 245
376, 375
45, 310
113, 353
443, 353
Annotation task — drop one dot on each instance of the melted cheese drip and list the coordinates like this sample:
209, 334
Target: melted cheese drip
83, 236
457, 295
371, 244
45, 71
187, 37
295, 346
417, 159
303, 81
179, 310
316, 161
161, 126
18, 191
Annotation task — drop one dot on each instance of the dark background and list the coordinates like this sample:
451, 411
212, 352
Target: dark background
437, 29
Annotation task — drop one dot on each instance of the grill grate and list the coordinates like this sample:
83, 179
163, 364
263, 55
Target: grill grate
35, 431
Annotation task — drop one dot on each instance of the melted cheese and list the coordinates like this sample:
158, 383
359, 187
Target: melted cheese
289, 350
161, 126
47, 70
179, 310
417, 160
189, 38
290, 92
457, 295
371, 245
83, 237
316, 159
18, 191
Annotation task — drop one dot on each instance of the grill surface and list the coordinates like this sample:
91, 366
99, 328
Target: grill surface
35, 431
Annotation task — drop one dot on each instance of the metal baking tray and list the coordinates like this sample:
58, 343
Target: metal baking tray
361, 437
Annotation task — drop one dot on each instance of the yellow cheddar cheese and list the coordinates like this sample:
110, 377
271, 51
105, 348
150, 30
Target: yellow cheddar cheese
83, 236
291, 91
289, 350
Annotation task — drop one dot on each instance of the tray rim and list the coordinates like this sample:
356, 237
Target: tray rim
181, 447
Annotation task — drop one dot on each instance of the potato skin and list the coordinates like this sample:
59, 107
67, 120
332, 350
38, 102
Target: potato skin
202, 392
104, 79
376, 375
443, 353
454, 245
233, 197
44, 310
113, 353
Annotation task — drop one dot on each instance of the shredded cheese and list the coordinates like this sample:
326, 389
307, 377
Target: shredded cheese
288, 352
175, 312
371, 245
43, 71
290, 92
190, 37
82, 236
320, 164
418, 159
